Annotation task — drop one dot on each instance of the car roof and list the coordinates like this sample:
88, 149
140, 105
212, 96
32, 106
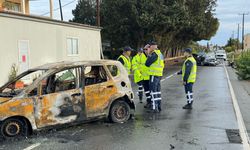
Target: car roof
64, 64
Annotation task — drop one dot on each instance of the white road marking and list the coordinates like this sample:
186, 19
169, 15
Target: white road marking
168, 77
242, 128
32, 146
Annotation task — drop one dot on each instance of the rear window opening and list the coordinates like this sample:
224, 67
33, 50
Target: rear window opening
95, 75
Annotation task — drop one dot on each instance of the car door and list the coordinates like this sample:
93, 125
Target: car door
99, 88
61, 99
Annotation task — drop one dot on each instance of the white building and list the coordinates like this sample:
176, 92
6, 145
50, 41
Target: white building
29, 41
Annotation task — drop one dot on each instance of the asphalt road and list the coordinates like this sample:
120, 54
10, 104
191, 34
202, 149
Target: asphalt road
203, 128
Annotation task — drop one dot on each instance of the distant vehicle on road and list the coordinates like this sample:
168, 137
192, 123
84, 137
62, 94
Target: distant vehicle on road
200, 57
64, 93
210, 59
221, 55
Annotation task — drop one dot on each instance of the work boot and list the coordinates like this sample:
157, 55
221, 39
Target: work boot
140, 98
153, 111
188, 106
148, 105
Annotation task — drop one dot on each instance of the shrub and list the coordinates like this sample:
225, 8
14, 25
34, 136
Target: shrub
243, 66
13, 72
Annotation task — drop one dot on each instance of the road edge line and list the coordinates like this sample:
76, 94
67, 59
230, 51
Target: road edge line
170, 76
32, 146
242, 128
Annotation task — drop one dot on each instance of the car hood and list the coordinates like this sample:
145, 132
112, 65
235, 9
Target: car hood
4, 99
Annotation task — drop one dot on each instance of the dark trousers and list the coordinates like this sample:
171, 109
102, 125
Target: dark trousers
155, 89
140, 90
144, 86
147, 91
189, 92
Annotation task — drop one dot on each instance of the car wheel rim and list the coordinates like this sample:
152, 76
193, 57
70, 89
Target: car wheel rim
121, 112
12, 129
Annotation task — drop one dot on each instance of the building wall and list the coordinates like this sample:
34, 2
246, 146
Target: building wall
247, 41
47, 42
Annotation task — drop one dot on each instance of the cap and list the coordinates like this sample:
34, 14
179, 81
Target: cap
152, 43
140, 50
127, 48
188, 50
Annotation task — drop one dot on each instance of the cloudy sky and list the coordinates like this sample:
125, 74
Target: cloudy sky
227, 12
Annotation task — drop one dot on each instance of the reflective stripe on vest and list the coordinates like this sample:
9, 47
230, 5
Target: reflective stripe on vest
127, 63
156, 69
192, 76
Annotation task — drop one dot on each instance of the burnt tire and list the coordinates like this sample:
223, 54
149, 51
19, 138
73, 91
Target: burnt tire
14, 128
119, 112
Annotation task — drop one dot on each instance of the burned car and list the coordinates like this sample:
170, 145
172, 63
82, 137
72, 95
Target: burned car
65, 93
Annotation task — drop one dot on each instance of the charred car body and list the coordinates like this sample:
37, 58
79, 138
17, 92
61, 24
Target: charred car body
65, 92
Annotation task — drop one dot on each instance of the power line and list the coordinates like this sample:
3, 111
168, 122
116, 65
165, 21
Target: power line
59, 7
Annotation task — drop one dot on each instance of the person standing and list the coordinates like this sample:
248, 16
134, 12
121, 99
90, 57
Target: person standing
189, 71
125, 59
141, 77
155, 62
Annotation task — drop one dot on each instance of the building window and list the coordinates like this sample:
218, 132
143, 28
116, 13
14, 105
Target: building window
12, 6
72, 46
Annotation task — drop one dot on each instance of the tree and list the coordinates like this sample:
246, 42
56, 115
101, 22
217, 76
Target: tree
174, 24
232, 45
85, 12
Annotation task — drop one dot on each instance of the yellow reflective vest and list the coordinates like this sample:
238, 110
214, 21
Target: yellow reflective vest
139, 68
192, 76
156, 69
127, 63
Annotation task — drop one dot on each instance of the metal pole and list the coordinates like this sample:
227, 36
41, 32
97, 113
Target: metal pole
51, 8
243, 26
238, 37
60, 5
243, 21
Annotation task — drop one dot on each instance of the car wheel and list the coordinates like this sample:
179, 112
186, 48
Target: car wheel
119, 112
13, 128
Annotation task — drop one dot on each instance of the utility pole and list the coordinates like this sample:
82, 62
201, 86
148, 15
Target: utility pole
243, 25
60, 5
97, 13
238, 37
51, 8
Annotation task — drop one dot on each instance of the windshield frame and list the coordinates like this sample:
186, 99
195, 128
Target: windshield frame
21, 76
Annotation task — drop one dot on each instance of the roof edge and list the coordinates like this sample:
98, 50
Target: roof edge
42, 19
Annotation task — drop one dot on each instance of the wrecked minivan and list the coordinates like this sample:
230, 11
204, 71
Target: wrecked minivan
65, 93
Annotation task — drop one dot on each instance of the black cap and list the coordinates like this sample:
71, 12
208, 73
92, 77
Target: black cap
152, 43
128, 48
188, 50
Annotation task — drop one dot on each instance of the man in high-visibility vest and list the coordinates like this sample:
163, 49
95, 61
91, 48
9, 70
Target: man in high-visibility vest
155, 62
141, 76
125, 59
189, 71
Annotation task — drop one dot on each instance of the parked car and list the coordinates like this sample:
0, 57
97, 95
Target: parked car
65, 93
210, 59
200, 57
221, 55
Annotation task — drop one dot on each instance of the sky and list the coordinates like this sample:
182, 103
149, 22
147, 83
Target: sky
227, 11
